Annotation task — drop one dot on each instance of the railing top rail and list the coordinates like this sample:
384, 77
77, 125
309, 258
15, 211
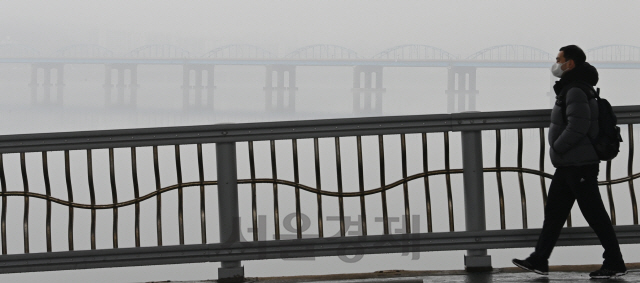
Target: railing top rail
468, 121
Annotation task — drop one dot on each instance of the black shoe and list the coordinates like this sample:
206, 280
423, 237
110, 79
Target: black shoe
528, 266
604, 273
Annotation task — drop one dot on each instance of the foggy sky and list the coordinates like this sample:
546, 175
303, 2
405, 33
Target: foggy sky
460, 27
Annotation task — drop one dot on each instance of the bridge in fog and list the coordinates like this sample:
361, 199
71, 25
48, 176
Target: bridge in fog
197, 182
120, 83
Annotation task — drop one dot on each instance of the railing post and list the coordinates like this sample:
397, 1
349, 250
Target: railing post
231, 271
475, 220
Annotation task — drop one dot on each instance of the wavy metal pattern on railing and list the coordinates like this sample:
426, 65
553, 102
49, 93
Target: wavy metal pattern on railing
403, 160
317, 189
608, 182
114, 205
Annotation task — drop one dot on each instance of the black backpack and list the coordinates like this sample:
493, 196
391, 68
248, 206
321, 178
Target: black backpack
607, 142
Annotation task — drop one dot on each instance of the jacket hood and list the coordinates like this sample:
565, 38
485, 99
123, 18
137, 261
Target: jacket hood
585, 73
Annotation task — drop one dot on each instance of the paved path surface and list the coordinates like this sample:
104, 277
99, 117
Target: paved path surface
556, 274
497, 277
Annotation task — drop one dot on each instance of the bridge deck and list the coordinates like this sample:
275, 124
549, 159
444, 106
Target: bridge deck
545, 64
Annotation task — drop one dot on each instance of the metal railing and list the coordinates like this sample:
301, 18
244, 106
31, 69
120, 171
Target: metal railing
323, 139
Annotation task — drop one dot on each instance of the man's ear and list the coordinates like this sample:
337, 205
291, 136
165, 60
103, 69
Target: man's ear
571, 64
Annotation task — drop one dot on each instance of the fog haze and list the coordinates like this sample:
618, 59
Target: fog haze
460, 27
368, 27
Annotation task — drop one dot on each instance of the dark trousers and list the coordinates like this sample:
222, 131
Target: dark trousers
568, 185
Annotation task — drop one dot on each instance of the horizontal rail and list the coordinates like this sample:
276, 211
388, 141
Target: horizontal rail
495, 239
470, 121
299, 185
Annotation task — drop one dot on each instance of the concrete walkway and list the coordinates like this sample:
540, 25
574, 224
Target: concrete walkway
573, 273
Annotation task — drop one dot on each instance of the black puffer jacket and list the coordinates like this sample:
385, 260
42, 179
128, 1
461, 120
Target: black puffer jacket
570, 137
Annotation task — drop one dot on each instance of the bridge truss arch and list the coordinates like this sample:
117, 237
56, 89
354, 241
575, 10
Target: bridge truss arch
512, 52
160, 51
84, 51
239, 51
614, 53
17, 50
414, 52
323, 51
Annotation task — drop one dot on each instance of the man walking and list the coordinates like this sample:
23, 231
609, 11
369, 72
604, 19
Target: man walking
574, 121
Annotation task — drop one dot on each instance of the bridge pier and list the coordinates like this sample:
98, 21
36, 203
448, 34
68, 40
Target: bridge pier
284, 86
48, 70
120, 85
461, 87
367, 90
193, 86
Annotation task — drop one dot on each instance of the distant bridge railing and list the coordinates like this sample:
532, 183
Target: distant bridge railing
407, 52
157, 184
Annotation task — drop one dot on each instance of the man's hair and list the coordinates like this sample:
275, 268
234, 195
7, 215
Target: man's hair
575, 53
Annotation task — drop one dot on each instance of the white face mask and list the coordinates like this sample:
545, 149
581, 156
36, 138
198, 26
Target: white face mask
556, 69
